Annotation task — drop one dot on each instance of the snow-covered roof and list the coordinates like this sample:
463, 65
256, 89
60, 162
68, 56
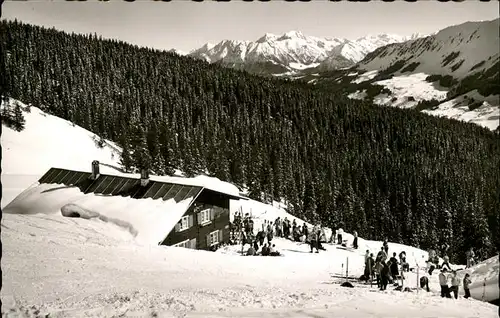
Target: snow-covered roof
148, 221
128, 184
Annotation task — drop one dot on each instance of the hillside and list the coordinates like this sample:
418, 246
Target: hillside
453, 73
458, 50
382, 171
47, 141
292, 52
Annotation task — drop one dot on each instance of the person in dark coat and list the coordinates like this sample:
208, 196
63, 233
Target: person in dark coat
270, 235
381, 256
384, 275
339, 236
255, 245
394, 266
355, 242
305, 230
261, 236
286, 228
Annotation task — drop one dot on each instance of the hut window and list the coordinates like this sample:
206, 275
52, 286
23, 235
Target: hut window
185, 223
185, 244
213, 238
204, 216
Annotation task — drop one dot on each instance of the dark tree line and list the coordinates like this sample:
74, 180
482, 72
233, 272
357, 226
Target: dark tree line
416, 179
12, 115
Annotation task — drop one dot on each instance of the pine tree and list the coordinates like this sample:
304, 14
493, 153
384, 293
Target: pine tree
18, 119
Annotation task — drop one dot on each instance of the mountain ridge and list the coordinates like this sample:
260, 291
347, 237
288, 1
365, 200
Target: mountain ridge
294, 50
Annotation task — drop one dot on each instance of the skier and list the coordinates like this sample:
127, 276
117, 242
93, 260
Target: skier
355, 242
467, 283
443, 281
455, 283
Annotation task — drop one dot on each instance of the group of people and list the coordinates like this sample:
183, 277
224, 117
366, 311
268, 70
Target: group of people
434, 263
386, 270
455, 284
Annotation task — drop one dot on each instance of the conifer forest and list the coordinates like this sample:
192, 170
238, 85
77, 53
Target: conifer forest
383, 172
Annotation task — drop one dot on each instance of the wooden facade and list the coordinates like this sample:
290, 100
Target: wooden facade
204, 225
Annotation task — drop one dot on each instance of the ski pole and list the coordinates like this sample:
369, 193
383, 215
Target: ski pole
347, 270
484, 289
418, 279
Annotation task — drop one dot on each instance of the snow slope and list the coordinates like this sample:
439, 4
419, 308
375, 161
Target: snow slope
487, 115
48, 141
294, 51
454, 51
405, 87
72, 267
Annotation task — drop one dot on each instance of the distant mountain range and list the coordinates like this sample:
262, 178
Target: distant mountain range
293, 51
451, 73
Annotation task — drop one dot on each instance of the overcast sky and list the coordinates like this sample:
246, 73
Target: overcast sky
186, 25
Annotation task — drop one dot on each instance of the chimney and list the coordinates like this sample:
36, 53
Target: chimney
144, 177
95, 170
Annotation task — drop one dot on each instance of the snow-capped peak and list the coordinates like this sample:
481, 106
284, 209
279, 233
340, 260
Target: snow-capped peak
267, 37
293, 50
293, 34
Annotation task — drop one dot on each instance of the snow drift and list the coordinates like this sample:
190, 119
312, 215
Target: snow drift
148, 221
